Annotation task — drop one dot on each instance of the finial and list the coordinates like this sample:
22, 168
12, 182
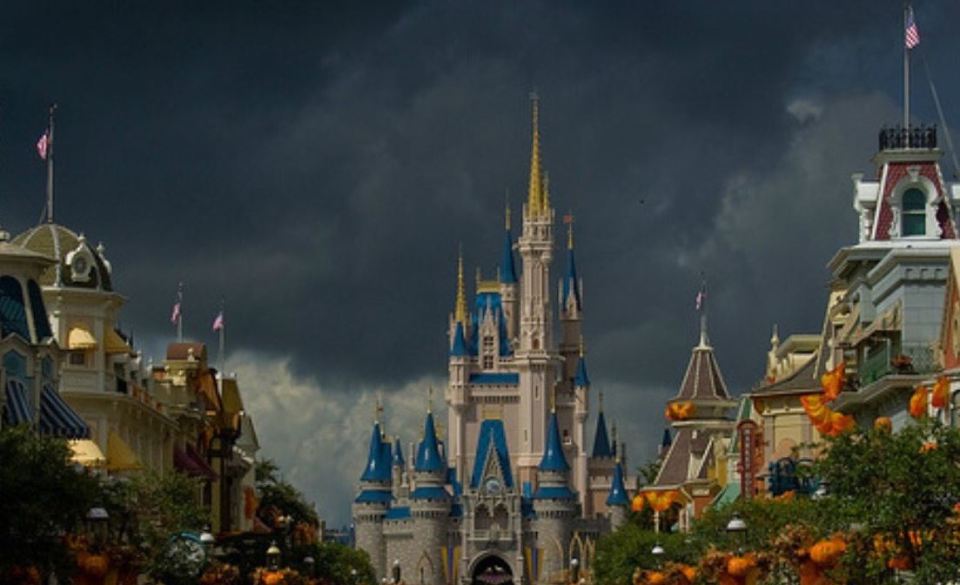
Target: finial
581, 346
430, 400
553, 400
775, 338
600, 401
479, 277
378, 409
507, 208
568, 219
535, 192
460, 309
702, 308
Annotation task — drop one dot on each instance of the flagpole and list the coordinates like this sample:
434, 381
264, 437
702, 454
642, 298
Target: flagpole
906, 76
223, 326
53, 107
180, 314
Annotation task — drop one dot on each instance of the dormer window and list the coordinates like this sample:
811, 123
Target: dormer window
913, 213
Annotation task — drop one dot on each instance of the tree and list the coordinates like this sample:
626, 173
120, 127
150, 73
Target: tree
43, 497
280, 497
336, 563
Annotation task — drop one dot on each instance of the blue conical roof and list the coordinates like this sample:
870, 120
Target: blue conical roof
553, 458
428, 453
581, 379
601, 441
508, 271
397, 453
377, 469
459, 348
618, 493
571, 284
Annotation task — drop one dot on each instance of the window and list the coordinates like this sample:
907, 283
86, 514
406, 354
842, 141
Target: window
488, 350
78, 358
15, 365
914, 213
40, 321
13, 318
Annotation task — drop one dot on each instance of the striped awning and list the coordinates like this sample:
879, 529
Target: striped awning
57, 418
19, 408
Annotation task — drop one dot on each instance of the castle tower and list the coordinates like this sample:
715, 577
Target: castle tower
618, 500
373, 500
508, 283
536, 362
457, 392
581, 393
400, 483
554, 502
571, 306
430, 505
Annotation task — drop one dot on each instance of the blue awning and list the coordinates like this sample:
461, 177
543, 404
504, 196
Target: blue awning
57, 418
19, 408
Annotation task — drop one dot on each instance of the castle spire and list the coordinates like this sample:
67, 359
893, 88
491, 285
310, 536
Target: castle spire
553, 457
535, 194
428, 454
702, 309
618, 492
460, 312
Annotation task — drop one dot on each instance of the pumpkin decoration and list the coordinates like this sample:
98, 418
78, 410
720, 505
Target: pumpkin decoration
679, 410
883, 423
826, 552
941, 392
832, 382
918, 402
656, 578
661, 501
272, 578
93, 565
637, 503
739, 566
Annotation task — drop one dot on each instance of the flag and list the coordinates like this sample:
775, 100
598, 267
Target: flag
175, 315
911, 36
43, 144
218, 322
701, 297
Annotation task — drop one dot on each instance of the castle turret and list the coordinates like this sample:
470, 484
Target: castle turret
581, 406
571, 306
617, 500
373, 500
459, 363
430, 504
554, 502
400, 483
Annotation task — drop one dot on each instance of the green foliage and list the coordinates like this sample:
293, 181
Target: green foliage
43, 496
621, 552
335, 563
280, 497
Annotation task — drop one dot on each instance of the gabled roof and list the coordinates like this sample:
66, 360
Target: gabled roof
428, 453
703, 380
802, 381
675, 469
553, 457
601, 442
618, 493
491, 437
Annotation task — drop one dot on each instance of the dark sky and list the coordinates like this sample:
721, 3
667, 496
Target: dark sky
317, 164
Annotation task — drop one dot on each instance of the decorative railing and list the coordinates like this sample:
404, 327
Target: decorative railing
900, 138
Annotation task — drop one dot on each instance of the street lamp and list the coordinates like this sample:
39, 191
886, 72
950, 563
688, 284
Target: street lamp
396, 570
308, 563
736, 525
574, 569
273, 556
97, 521
353, 577
657, 551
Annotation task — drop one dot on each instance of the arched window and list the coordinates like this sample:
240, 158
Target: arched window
13, 317
914, 213
40, 320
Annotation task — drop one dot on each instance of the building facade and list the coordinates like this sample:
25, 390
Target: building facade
512, 493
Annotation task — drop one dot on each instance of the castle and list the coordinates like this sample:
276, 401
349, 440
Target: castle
512, 494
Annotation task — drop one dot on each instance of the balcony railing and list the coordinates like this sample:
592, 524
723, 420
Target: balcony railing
907, 361
900, 138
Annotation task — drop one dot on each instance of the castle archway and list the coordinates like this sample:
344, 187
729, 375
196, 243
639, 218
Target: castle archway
491, 570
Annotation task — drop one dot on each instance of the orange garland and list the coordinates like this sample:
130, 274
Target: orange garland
679, 410
918, 402
941, 392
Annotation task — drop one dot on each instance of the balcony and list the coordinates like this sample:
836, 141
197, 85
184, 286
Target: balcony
900, 138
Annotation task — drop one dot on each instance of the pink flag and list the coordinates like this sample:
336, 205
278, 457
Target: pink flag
218, 322
701, 296
43, 143
911, 35
175, 315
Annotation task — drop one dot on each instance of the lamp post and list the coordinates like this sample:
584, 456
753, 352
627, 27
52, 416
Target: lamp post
396, 570
736, 525
574, 570
308, 564
97, 524
273, 556
353, 577
658, 551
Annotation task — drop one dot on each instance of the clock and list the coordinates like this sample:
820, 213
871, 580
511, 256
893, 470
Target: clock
492, 486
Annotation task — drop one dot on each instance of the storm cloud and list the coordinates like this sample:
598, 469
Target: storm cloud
318, 164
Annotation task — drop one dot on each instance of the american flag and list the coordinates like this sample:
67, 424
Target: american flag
43, 143
911, 37
218, 322
175, 314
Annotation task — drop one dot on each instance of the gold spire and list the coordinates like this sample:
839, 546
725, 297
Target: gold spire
569, 220
535, 193
460, 312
